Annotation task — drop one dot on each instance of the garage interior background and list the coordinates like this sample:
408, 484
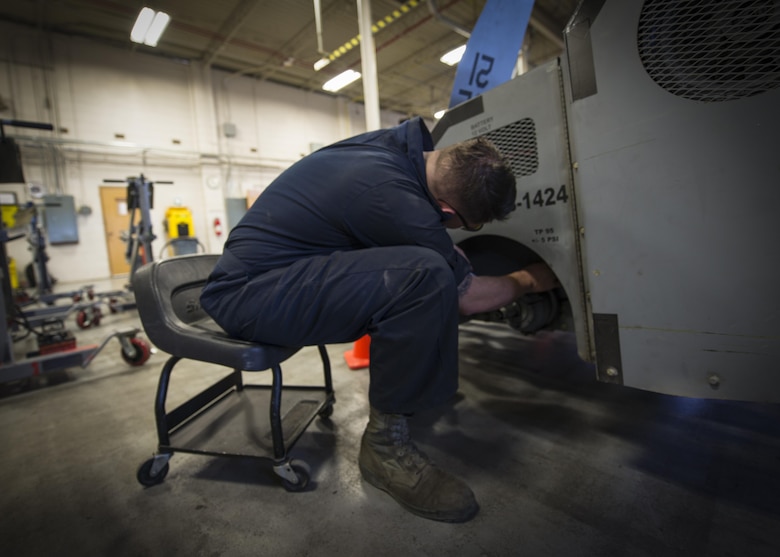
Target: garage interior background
227, 100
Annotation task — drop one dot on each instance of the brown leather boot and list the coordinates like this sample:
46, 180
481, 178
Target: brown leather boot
390, 461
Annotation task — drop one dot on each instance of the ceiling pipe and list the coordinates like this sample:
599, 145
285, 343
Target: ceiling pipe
448, 22
318, 25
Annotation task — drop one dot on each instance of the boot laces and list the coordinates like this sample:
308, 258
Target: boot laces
406, 450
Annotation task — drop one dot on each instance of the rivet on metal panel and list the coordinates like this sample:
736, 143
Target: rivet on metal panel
575, 165
582, 231
714, 381
612, 371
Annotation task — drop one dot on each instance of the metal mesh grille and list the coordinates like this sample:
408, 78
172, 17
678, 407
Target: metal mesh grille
709, 50
517, 142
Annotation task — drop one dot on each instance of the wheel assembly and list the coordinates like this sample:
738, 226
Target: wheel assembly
302, 478
532, 312
496, 256
326, 412
89, 317
138, 352
151, 472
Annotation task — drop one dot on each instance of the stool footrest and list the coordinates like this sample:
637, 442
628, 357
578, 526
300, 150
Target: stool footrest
234, 426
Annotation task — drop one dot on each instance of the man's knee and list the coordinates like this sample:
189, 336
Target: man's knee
418, 257
421, 268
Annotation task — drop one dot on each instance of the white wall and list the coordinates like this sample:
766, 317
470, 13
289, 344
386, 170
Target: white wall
118, 113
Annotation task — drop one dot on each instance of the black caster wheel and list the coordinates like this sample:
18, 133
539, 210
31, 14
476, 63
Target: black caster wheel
303, 479
141, 352
326, 412
145, 477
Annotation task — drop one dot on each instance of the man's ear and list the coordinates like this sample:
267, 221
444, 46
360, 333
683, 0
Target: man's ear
445, 207
449, 215
447, 210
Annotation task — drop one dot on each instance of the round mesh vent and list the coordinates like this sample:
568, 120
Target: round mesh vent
709, 50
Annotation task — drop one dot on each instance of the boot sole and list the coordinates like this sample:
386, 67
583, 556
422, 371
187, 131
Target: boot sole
432, 515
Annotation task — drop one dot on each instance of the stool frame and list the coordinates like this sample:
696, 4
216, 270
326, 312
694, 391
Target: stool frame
221, 420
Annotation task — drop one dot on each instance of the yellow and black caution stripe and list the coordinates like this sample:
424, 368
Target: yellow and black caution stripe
380, 24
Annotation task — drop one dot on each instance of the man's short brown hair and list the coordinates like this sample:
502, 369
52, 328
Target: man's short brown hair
479, 180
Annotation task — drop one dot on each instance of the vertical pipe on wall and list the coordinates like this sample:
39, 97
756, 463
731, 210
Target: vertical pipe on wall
368, 64
50, 101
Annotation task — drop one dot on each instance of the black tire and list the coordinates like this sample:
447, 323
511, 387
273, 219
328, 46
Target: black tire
326, 412
303, 479
140, 353
145, 477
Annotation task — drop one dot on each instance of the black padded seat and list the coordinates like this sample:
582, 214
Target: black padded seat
168, 300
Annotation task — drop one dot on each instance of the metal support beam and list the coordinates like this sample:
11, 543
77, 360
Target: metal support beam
368, 65
229, 28
540, 21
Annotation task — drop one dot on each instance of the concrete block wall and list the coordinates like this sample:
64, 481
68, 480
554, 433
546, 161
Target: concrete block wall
118, 112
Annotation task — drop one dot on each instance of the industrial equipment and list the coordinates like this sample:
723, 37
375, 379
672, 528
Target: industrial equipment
646, 164
138, 237
57, 348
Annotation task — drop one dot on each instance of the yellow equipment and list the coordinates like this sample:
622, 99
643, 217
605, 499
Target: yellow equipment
178, 222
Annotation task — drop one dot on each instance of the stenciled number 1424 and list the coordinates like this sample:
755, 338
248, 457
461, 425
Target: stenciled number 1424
544, 197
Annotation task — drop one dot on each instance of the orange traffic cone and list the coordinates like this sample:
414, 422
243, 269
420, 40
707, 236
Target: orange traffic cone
358, 358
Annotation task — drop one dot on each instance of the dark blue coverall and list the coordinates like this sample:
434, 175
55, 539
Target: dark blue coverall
345, 242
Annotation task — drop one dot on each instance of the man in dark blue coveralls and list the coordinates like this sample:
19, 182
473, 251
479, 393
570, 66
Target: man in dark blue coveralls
352, 240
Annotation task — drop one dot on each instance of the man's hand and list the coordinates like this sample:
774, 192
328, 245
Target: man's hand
537, 277
487, 293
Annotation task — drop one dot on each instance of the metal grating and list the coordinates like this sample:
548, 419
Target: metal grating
517, 142
711, 51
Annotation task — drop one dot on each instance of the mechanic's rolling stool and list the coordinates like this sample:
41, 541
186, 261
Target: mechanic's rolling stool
222, 420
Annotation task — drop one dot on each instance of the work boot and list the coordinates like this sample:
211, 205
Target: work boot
390, 461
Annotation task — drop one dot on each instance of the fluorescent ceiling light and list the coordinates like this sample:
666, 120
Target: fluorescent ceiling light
142, 25
341, 80
149, 27
439, 114
321, 63
159, 24
453, 56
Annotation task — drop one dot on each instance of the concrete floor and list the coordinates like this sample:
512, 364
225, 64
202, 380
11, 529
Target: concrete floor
561, 465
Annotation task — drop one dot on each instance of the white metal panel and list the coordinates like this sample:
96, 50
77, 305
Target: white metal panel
678, 200
543, 220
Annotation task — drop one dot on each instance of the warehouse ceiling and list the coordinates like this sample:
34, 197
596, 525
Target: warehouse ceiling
277, 40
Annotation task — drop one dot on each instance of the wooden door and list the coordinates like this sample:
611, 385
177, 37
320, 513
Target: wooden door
116, 221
